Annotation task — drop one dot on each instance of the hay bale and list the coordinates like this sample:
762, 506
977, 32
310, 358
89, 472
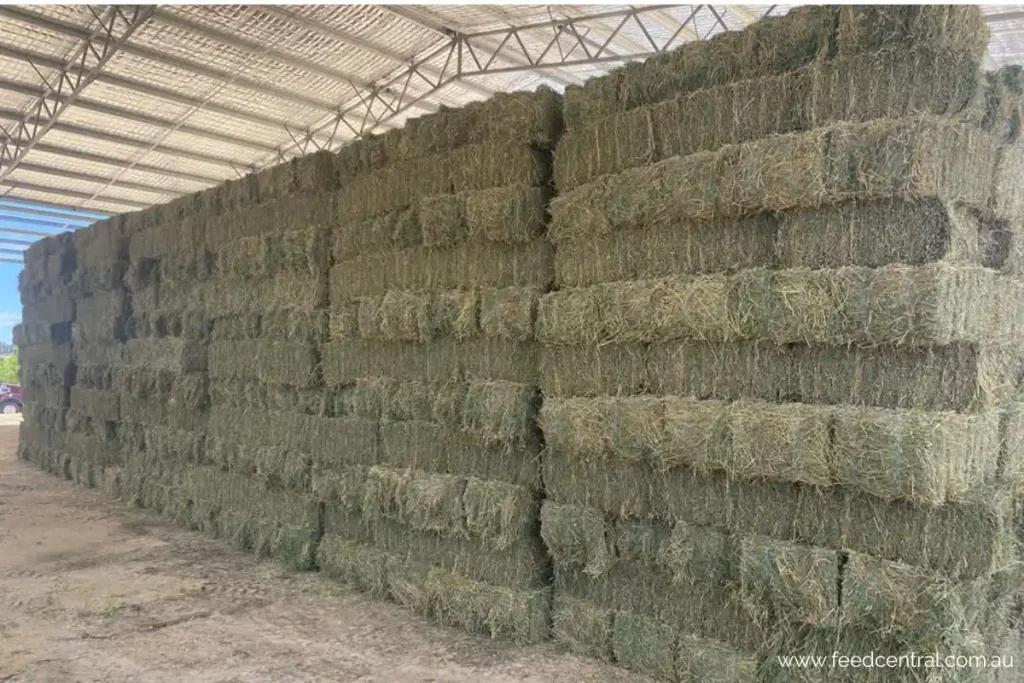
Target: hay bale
647, 196
471, 167
520, 566
697, 555
788, 583
670, 250
432, 448
498, 512
97, 403
583, 628
644, 645
272, 362
866, 29
575, 536
919, 607
889, 84
705, 370
790, 442
520, 616
443, 220
431, 502
604, 428
388, 232
607, 369
507, 215
357, 564
709, 661
878, 233
638, 311
463, 266
437, 361
500, 412
928, 458
508, 313
775, 174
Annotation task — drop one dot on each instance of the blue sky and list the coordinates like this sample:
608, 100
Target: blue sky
11, 217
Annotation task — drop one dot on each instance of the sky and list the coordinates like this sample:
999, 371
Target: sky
10, 299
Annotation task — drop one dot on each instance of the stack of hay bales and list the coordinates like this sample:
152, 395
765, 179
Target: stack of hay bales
44, 348
265, 296
432, 489
778, 368
102, 310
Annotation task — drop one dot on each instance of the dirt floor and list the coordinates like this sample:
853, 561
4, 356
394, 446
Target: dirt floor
91, 590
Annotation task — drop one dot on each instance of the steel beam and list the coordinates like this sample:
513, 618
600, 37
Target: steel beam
90, 178
360, 43
73, 194
141, 144
95, 50
40, 208
23, 231
12, 260
148, 89
465, 55
113, 161
4, 216
191, 66
12, 252
141, 117
10, 240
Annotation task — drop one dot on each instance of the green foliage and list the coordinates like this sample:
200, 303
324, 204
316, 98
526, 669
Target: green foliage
9, 368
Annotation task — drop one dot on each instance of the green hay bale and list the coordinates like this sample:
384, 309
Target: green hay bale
730, 371
508, 313
407, 583
709, 661
338, 485
877, 233
644, 645
647, 196
776, 173
575, 536
694, 555
520, 566
382, 496
1008, 199
436, 361
97, 403
669, 250
638, 311
771, 46
928, 458
298, 212
515, 214
168, 353
443, 220
53, 309
469, 168
387, 232
500, 412
432, 503
43, 334
464, 266
432, 448
890, 84
357, 564
695, 433
916, 606
959, 539
273, 467
497, 512
606, 369
520, 616
608, 145
601, 428
272, 362
779, 442
787, 583
520, 117
583, 628
285, 291
866, 29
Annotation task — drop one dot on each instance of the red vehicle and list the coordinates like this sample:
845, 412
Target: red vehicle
10, 398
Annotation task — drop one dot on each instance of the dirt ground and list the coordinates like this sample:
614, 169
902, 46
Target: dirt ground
91, 590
